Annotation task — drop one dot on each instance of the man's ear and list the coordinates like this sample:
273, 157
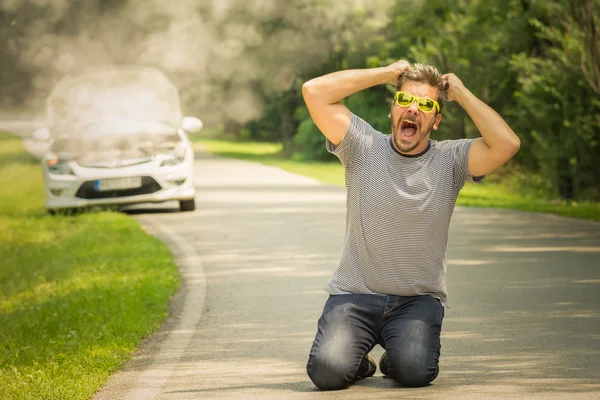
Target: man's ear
438, 118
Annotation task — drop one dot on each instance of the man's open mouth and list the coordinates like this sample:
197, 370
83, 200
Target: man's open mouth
408, 129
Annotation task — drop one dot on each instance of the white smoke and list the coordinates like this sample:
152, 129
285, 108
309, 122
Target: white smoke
216, 51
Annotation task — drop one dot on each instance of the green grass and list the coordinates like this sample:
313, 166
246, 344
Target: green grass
491, 193
77, 293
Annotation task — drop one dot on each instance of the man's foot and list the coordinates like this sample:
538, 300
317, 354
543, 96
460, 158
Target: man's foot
383, 364
366, 368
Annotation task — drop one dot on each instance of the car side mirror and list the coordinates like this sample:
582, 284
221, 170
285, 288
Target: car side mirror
41, 135
191, 124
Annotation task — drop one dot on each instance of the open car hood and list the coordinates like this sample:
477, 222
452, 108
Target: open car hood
117, 143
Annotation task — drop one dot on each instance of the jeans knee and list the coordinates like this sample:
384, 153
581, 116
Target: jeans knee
328, 374
412, 373
416, 378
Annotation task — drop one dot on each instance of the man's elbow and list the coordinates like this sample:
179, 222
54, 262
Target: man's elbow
308, 90
514, 145
507, 149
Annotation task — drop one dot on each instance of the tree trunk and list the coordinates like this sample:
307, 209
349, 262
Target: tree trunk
233, 128
287, 125
566, 189
460, 127
584, 13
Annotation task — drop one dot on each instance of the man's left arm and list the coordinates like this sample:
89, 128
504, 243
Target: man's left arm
498, 143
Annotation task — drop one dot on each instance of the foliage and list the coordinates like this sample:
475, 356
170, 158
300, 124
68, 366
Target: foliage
558, 108
309, 143
537, 64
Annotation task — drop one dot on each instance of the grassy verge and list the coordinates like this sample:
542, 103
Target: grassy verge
489, 194
77, 294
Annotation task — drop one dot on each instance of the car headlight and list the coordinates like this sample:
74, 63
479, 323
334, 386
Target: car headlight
177, 157
57, 166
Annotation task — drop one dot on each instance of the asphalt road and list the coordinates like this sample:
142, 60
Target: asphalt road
524, 320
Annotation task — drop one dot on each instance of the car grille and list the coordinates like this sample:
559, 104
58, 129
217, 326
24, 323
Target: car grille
87, 190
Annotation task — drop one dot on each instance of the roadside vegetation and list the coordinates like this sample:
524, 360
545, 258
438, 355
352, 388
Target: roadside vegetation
500, 190
77, 293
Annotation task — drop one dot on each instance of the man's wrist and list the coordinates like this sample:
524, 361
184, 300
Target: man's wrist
462, 95
388, 75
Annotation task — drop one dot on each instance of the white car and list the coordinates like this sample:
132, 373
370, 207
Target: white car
117, 137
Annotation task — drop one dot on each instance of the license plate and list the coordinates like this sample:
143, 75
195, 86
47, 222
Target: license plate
133, 182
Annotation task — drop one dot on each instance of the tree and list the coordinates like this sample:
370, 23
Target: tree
558, 104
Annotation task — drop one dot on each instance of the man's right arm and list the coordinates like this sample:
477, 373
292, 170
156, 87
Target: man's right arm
323, 95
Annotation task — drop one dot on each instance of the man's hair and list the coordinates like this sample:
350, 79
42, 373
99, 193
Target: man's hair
425, 74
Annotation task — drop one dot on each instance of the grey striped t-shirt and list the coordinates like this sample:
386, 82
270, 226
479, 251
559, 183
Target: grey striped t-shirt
398, 213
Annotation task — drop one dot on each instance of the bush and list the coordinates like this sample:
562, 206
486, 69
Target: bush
309, 143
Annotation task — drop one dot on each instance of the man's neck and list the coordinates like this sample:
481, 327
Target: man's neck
416, 152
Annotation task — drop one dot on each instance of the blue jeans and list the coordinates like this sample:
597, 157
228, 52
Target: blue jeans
408, 328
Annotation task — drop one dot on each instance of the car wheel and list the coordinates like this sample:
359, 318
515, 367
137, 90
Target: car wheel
187, 205
51, 211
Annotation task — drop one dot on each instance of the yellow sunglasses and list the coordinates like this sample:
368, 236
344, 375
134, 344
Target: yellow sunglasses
404, 99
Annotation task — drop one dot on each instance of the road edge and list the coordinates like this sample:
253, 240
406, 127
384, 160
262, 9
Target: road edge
145, 376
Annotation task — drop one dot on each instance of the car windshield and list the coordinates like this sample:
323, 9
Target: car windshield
121, 97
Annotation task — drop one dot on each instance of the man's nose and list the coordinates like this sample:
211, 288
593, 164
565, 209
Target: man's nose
413, 108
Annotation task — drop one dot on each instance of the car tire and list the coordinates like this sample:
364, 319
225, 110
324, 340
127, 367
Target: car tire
51, 211
187, 205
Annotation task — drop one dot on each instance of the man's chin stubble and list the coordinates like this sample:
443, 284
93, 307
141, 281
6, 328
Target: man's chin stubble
404, 149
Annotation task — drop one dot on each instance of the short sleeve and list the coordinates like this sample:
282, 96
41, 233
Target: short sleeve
357, 140
460, 156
